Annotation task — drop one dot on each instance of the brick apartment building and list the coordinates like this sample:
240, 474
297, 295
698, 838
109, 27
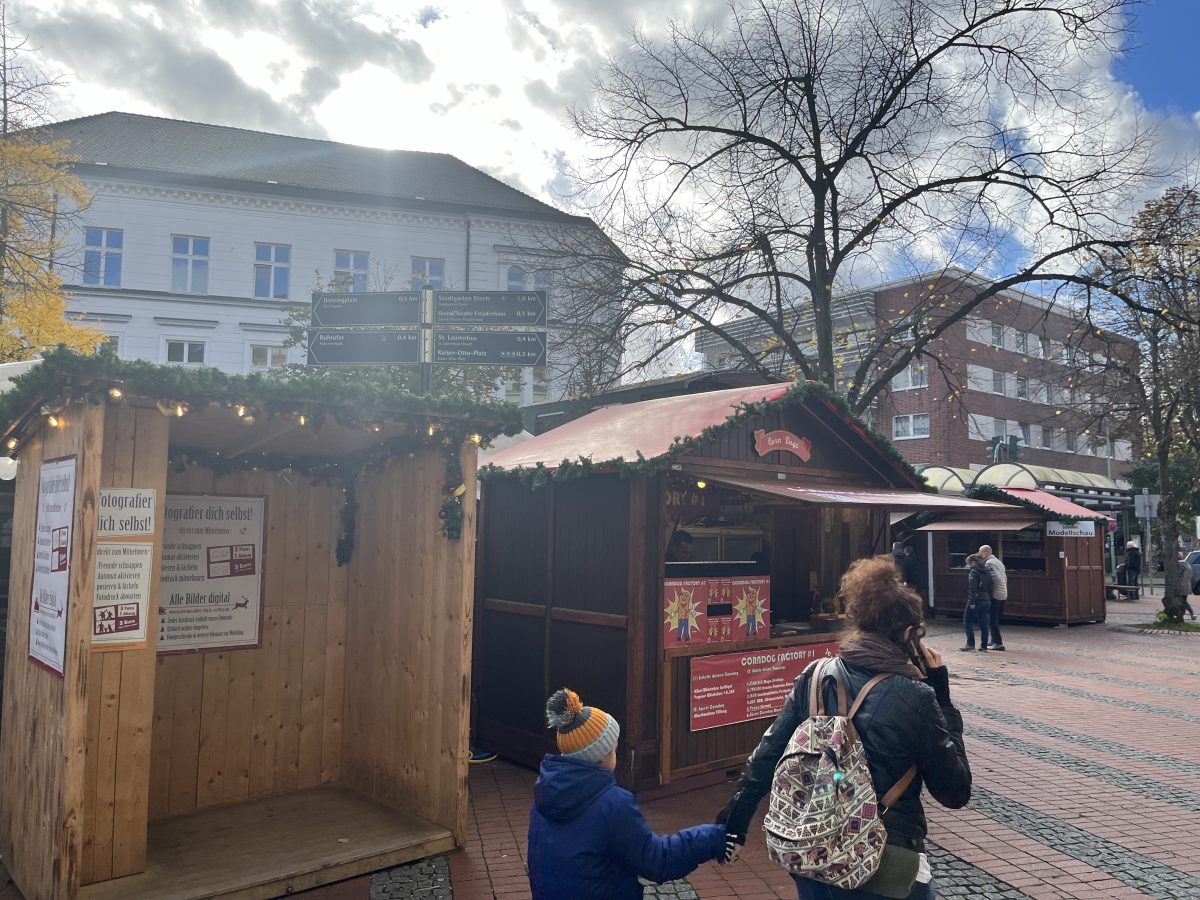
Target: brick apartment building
1020, 369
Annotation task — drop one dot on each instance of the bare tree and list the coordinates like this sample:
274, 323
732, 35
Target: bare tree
760, 167
1157, 281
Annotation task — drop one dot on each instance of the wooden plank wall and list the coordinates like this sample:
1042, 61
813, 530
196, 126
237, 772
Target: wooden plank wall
43, 738
231, 725
121, 683
408, 642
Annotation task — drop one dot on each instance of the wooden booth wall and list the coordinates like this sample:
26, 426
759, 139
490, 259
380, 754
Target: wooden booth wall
234, 724
1072, 590
44, 722
556, 589
408, 643
121, 681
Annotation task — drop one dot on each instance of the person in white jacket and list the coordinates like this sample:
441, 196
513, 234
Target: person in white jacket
999, 593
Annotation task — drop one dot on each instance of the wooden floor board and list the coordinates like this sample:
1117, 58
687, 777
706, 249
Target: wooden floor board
270, 846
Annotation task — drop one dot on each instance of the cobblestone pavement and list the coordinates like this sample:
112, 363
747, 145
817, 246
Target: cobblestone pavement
1086, 755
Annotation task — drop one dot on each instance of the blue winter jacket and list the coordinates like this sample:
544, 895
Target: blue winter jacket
588, 838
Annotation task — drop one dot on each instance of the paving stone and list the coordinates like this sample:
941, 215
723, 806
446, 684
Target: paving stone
426, 878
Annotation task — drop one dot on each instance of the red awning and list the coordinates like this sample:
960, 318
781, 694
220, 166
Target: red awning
1055, 504
881, 498
650, 428
979, 524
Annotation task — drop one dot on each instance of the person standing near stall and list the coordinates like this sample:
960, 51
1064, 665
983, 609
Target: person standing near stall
679, 548
979, 602
999, 594
1133, 565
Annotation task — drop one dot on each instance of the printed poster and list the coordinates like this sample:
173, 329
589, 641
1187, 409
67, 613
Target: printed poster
751, 599
126, 512
729, 688
210, 590
685, 604
52, 564
122, 592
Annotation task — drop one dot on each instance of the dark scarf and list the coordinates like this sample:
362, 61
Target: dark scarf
877, 654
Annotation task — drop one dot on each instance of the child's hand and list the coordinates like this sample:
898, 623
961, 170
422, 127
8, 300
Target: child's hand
733, 848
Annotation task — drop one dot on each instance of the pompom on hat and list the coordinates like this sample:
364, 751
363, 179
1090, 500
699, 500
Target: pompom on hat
586, 733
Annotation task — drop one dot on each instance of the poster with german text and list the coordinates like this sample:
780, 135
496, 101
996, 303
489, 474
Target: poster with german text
52, 564
210, 591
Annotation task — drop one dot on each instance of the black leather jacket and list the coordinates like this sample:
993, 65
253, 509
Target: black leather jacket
979, 583
902, 723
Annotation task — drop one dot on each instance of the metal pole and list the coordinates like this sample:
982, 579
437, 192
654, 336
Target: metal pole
426, 341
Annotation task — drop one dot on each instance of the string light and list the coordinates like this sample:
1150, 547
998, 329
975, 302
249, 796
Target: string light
11, 444
240, 409
702, 484
180, 409
54, 421
432, 430
116, 393
302, 419
376, 427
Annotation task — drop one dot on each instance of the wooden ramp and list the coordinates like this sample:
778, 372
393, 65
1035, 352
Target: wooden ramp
273, 846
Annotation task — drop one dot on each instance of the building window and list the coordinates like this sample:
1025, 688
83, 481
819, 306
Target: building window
102, 256
1022, 342
272, 265
997, 382
350, 270
428, 270
1071, 441
1022, 388
999, 428
911, 426
189, 264
997, 336
111, 342
185, 353
264, 357
1047, 437
915, 376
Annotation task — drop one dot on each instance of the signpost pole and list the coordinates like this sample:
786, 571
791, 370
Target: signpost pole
427, 341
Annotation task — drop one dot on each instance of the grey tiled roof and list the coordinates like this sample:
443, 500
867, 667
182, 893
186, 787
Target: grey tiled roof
215, 152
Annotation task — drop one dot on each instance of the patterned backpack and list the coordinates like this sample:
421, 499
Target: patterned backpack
824, 821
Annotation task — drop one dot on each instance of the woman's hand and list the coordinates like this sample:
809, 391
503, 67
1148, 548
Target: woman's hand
733, 848
933, 659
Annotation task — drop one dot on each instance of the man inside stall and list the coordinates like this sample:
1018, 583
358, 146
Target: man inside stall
679, 548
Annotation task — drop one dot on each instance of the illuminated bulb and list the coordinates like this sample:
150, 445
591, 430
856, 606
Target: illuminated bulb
302, 419
702, 484
12, 444
247, 420
432, 430
477, 439
180, 409
116, 393
240, 410
376, 428
54, 421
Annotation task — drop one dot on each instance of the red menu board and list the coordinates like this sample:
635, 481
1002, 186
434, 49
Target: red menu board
728, 688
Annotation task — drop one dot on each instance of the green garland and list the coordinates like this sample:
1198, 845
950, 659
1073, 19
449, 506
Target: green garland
539, 475
64, 375
453, 488
991, 492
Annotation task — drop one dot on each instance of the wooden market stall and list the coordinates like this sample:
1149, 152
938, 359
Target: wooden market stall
1052, 550
290, 707
780, 490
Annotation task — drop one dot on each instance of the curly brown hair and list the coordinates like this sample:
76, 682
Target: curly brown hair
877, 601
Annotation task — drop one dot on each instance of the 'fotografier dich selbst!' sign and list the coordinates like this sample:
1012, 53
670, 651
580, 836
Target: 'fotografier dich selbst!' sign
428, 327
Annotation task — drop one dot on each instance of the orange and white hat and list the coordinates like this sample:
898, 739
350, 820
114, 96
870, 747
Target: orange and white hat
586, 733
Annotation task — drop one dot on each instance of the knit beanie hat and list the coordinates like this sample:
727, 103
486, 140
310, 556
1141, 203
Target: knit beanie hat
586, 733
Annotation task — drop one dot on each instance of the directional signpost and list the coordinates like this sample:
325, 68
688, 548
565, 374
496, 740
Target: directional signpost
489, 348
428, 327
342, 347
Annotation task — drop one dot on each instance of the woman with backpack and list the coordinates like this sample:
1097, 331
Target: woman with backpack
896, 693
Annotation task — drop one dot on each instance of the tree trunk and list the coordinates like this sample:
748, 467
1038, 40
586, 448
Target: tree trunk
1174, 589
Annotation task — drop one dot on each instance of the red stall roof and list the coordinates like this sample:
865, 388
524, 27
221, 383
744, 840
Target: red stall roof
650, 427
1054, 503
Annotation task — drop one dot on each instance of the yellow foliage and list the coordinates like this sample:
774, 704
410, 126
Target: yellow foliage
36, 183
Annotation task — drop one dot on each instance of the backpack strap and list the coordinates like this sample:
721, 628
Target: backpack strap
816, 689
906, 779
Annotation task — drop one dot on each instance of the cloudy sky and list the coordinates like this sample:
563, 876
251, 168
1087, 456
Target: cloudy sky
486, 80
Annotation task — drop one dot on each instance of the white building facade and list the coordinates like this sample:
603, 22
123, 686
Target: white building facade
189, 256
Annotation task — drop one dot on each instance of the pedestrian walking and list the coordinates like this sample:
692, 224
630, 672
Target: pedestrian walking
999, 594
906, 724
979, 602
587, 836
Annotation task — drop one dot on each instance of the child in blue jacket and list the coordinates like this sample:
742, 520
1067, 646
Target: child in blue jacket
587, 836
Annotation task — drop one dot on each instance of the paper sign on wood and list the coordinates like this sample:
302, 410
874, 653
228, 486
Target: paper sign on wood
52, 563
210, 594
119, 610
